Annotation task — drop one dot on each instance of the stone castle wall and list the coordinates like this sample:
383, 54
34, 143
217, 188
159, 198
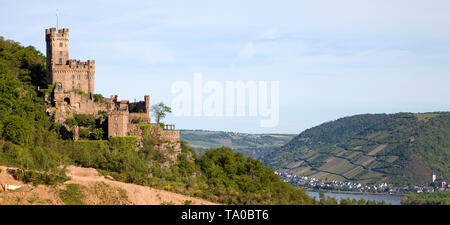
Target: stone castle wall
74, 75
169, 135
143, 116
67, 74
74, 89
66, 104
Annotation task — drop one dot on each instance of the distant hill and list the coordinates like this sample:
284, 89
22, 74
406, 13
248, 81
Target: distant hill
253, 145
400, 149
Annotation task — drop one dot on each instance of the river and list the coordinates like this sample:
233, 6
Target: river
392, 199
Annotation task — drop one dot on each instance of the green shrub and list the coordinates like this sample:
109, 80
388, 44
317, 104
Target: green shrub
39, 178
145, 129
97, 134
102, 113
71, 122
72, 195
1, 129
16, 130
84, 133
127, 142
85, 120
98, 98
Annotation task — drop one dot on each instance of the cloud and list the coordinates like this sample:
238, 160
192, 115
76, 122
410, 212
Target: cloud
270, 34
247, 52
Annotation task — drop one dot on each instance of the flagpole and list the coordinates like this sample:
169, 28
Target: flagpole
56, 19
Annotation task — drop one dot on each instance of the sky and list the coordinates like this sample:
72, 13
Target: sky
331, 58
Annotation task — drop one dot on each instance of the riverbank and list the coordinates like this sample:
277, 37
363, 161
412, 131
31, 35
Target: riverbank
389, 199
356, 192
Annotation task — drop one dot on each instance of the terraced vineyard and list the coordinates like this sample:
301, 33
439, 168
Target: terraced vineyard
399, 149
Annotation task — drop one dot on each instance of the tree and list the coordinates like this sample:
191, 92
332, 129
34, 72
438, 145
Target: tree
16, 130
97, 133
160, 111
85, 120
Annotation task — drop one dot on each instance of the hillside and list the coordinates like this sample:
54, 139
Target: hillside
32, 141
400, 149
252, 145
86, 186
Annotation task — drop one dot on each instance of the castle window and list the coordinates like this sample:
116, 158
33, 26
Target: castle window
60, 61
73, 82
60, 53
73, 76
67, 100
115, 118
78, 77
73, 87
115, 125
60, 44
78, 85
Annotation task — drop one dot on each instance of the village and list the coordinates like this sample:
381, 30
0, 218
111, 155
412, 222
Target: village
311, 183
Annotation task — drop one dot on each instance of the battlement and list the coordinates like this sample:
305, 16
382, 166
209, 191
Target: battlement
118, 112
77, 64
62, 33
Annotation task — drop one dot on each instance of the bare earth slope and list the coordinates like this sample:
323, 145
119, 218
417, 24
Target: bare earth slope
97, 190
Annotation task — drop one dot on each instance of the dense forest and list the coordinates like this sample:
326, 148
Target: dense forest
33, 142
400, 149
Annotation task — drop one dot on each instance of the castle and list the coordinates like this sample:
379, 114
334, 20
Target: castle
73, 93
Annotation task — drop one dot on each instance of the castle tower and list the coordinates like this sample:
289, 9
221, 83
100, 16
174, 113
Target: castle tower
118, 118
57, 49
67, 74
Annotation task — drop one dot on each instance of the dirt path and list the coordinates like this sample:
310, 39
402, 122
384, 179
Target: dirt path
89, 178
137, 194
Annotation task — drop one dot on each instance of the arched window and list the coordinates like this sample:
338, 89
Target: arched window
67, 100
